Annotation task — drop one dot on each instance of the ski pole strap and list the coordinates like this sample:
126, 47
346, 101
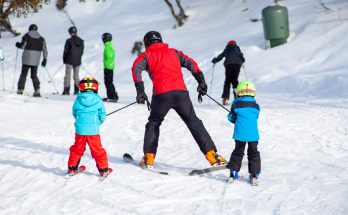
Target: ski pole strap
148, 104
218, 103
121, 108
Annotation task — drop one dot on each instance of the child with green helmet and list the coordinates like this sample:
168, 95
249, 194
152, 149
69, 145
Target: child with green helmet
244, 114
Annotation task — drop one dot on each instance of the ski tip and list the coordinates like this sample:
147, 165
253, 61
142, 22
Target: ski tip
126, 155
193, 173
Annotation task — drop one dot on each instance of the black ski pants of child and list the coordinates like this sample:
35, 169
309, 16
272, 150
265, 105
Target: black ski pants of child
33, 75
178, 100
231, 77
254, 159
110, 88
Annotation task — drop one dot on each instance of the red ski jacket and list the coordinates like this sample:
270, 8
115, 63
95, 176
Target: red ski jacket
164, 67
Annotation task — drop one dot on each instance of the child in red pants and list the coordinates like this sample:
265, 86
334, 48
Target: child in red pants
89, 113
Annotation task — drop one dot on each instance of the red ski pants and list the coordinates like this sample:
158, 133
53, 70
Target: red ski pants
97, 150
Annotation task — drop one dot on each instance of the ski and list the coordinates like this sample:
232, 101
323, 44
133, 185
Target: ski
104, 176
241, 178
207, 170
109, 100
129, 159
81, 168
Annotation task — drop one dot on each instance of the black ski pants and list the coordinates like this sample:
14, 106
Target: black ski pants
178, 100
33, 75
254, 159
231, 77
110, 88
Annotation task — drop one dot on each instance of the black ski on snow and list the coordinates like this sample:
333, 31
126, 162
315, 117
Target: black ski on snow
129, 159
206, 170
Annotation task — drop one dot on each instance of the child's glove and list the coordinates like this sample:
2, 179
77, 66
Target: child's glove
231, 117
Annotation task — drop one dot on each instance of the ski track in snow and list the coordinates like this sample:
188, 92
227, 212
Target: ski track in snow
35, 163
303, 120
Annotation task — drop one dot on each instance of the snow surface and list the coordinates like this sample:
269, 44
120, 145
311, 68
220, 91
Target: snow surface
302, 91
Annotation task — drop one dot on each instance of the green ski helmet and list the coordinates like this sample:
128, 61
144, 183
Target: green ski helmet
246, 88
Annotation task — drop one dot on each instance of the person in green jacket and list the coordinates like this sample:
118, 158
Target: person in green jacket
109, 66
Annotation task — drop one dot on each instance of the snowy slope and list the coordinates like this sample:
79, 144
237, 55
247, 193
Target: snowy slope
303, 124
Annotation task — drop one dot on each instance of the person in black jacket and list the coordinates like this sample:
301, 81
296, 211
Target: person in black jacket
233, 61
34, 45
72, 55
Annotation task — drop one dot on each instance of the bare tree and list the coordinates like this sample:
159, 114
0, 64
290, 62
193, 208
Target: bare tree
181, 16
18, 8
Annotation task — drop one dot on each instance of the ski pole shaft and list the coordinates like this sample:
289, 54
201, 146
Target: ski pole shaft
217, 103
246, 77
14, 73
3, 76
54, 74
121, 108
212, 78
51, 80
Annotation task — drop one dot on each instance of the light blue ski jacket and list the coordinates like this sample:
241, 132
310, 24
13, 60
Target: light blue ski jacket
244, 114
89, 112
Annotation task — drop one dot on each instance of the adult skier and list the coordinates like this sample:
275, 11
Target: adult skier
233, 61
73, 51
169, 92
109, 66
33, 45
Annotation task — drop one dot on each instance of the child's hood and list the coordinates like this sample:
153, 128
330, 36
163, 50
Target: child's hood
88, 99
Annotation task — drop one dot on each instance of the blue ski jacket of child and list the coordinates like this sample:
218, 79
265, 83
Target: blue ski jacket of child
89, 112
244, 114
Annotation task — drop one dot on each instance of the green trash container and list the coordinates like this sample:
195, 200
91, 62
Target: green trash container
275, 25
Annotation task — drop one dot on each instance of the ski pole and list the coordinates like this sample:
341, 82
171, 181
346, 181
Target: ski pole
121, 108
86, 70
54, 74
217, 103
3, 76
14, 73
246, 77
2, 58
51, 80
212, 78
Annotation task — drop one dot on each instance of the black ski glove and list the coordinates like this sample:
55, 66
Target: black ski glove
44, 62
214, 61
202, 88
18, 44
141, 95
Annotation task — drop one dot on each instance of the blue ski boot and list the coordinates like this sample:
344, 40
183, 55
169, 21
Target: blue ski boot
233, 176
254, 179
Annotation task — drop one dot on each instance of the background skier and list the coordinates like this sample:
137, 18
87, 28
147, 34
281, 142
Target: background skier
73, 51
169, 92
233, 60
33, 45
109, 66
